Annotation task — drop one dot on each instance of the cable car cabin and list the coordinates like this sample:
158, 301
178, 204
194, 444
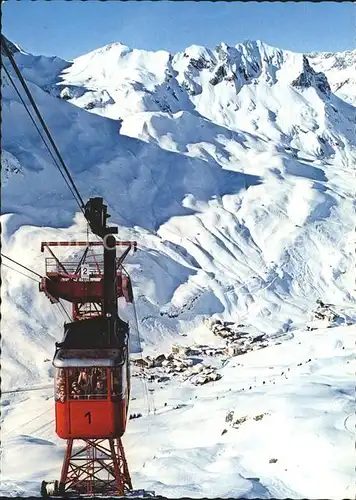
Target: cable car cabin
92, 384
91, 393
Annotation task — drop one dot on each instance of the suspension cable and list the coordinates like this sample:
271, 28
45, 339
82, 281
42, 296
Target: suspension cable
23, 274
59, 303
29, 95
21, 265
39, 132
61, 309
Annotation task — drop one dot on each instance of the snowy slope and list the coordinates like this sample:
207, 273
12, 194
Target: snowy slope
302, 388
234, 170
340, 70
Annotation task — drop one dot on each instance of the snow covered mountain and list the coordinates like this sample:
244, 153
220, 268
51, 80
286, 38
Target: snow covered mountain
340, 70
234, 169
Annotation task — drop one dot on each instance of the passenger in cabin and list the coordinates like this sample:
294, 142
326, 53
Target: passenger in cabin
84, 380
95, 375
77, 391
99, 391
102, 374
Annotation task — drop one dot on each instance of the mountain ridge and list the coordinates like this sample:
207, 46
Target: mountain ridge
342, 59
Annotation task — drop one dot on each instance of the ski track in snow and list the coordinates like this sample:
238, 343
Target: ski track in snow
239, 187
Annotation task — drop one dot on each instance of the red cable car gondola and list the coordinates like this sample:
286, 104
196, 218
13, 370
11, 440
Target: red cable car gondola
92, 385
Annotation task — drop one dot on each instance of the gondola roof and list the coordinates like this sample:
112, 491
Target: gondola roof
93, 334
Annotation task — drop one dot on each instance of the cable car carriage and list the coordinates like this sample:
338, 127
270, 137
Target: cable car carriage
92, 381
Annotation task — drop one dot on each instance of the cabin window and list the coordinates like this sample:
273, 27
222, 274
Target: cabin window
88, 383
115, 382
119, 380
84, 383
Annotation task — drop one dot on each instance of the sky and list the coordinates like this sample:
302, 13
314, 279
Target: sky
69, 29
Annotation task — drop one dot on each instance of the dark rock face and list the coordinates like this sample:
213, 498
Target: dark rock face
200, 63
90, 105
235, 67
310, 78
192, 88
222, 52
220, 74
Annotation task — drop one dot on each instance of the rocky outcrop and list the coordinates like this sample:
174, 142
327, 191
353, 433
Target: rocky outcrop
200, 63
219, 75
10, 165
65, 92
323, 317
310, 78
235, 421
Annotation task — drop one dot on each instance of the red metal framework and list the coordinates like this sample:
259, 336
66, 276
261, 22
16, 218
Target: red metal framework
86, 310
65, 280
97, 467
